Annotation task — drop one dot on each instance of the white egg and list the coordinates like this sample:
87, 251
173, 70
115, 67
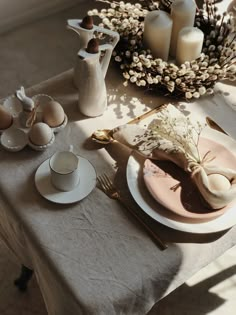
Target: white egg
218, 182
40, 134
53, 114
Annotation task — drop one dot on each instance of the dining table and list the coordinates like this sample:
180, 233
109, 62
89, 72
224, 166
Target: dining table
92, 256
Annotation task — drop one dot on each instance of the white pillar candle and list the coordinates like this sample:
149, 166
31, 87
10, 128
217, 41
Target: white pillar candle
157, 33
189, 45
183, 14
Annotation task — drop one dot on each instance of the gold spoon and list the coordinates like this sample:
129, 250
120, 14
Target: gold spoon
103, 136
212, 124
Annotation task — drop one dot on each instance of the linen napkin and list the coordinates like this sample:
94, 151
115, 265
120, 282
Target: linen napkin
174, 137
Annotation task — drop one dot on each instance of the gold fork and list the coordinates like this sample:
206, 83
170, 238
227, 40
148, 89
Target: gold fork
109, 189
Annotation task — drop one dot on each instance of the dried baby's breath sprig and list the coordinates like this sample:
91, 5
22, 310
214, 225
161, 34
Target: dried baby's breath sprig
189, 80
172, 132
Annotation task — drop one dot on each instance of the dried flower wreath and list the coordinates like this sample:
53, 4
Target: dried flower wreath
189, 80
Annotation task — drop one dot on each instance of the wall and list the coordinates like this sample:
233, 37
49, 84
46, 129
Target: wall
16, 12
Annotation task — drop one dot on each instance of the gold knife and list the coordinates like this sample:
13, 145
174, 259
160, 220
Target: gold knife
212, 124
147, 114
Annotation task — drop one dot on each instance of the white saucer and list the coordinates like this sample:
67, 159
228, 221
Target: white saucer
87, 183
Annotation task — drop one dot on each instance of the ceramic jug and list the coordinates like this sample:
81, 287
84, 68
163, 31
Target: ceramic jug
85, 29
91, 78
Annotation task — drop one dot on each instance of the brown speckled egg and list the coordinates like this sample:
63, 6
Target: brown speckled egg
53, 114
40, 134
6, 118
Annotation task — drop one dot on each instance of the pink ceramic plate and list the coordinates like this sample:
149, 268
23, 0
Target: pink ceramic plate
185, 202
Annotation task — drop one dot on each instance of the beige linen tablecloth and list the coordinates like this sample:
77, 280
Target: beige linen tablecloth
92, 257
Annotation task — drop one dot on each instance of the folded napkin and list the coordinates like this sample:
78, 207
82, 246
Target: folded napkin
174, 137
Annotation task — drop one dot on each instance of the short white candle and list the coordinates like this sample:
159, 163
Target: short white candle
189, 45
157, 33
183, 14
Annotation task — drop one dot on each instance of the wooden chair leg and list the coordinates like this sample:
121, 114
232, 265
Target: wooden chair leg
24, 278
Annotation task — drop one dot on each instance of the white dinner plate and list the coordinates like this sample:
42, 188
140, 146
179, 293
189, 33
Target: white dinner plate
141, 195
86, 184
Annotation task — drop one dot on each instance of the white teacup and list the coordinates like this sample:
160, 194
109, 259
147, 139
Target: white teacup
64, 170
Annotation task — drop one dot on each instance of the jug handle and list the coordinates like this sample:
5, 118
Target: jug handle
106, 58
108, 47
73, 24
114, 35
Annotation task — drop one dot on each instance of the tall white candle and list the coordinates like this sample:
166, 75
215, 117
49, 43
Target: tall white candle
157, 33
189, 44
183, 14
